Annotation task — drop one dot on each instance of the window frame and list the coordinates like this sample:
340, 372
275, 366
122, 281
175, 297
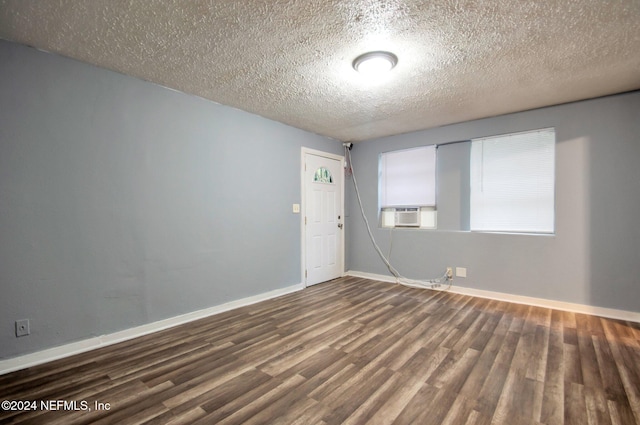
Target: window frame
427, 211
544, 226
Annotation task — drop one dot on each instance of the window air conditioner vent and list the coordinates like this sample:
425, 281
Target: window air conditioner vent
407, 217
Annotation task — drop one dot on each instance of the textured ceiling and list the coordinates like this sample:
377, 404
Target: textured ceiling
291, 60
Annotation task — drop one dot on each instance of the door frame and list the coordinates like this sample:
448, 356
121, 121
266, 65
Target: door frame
303, 209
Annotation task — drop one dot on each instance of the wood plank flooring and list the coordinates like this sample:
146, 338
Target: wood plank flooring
353, 351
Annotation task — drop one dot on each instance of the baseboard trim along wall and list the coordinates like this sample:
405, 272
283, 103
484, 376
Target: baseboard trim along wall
520, 299
55, 353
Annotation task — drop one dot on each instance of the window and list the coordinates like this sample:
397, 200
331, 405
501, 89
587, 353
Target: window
512, 183
407, 187
322, 175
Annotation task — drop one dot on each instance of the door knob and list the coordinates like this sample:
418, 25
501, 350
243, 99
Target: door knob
339, 225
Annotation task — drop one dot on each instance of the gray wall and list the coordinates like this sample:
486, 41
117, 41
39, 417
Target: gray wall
123, 203
594, 257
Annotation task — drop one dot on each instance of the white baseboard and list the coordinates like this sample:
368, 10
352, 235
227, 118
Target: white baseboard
372, 276
520, 299
55, 353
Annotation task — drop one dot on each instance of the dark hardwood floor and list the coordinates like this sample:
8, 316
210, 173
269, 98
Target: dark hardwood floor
352, 351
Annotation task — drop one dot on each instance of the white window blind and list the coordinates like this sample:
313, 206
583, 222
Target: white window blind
408, 177
513, 182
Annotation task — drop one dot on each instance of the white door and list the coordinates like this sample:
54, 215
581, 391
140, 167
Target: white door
323, 217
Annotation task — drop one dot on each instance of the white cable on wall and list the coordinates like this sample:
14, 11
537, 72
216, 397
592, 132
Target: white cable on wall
414, 283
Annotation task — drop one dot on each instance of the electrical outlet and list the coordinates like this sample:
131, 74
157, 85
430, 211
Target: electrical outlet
22, 328
461, 272
449, 273
296, 208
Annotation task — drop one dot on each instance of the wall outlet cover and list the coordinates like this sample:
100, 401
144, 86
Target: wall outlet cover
22, 328
461, 272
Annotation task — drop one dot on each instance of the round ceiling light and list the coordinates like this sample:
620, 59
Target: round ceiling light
375, 63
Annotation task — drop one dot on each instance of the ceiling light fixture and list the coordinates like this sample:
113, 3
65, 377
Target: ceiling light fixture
375, 63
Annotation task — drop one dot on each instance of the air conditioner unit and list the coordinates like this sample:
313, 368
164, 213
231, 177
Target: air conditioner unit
407, 217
